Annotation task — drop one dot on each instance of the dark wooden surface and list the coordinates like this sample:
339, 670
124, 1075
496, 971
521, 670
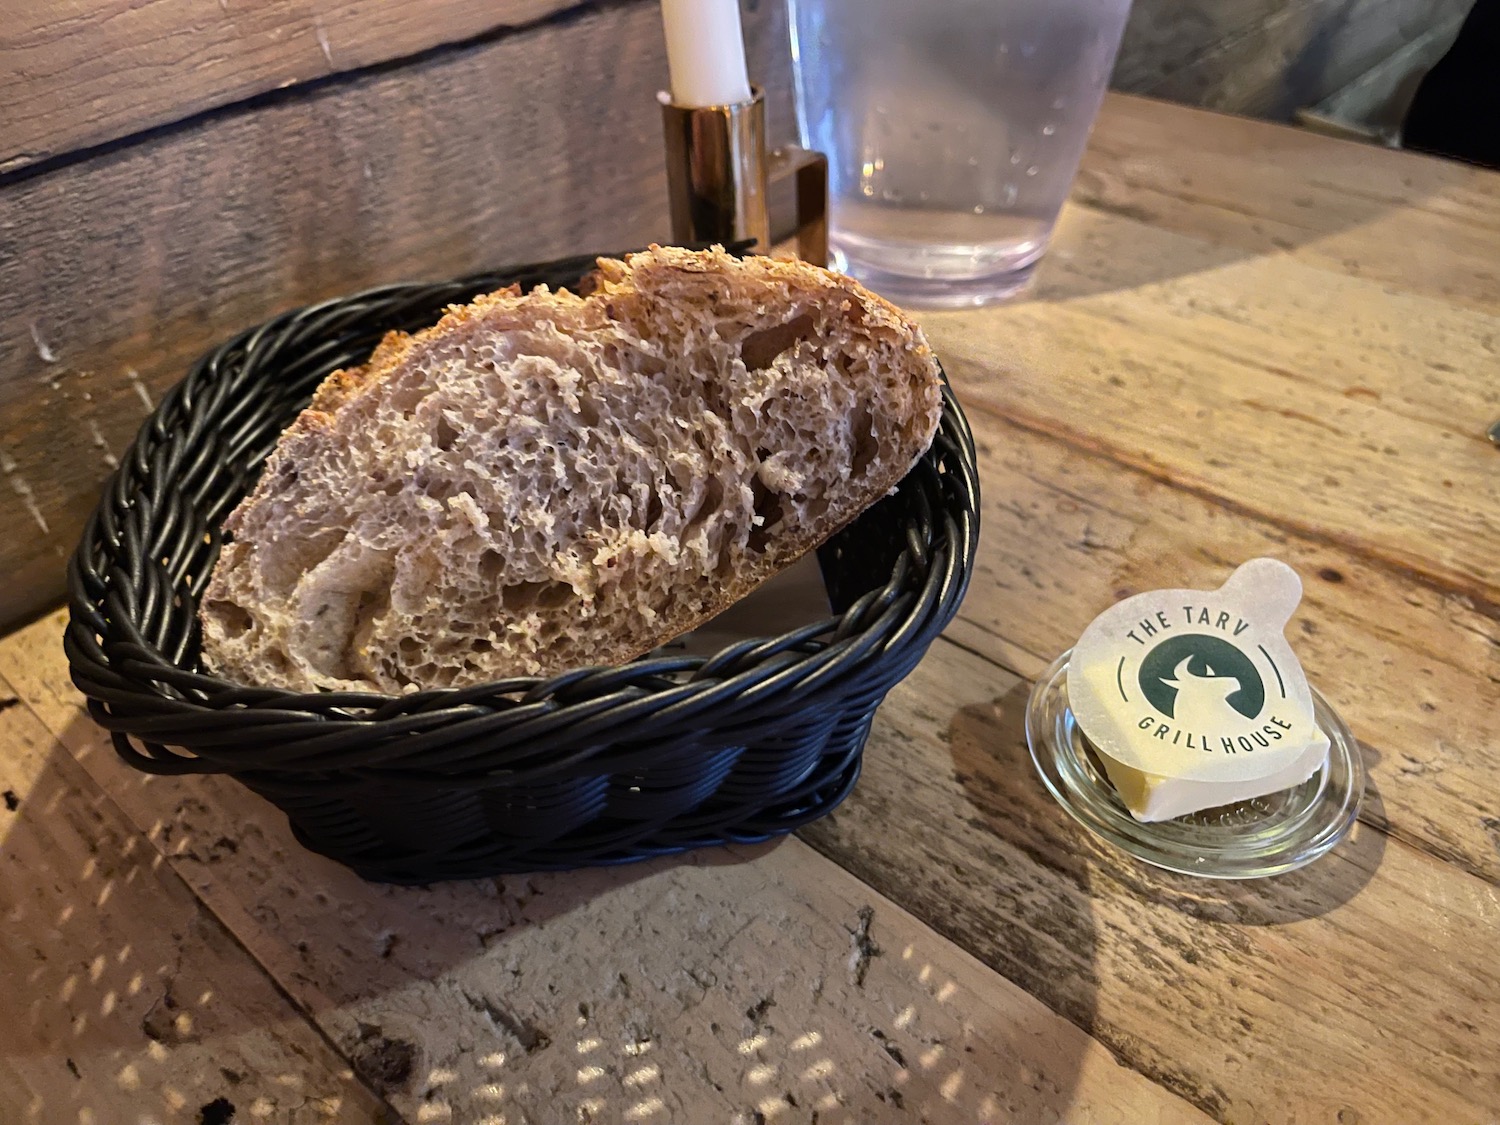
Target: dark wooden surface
117, 271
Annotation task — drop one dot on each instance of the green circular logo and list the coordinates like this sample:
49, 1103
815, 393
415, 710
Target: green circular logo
1201, 668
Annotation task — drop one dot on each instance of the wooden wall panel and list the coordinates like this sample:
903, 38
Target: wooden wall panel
85, 72
116, 271
80, 72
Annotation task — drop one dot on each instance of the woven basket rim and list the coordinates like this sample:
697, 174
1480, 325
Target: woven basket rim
133, 652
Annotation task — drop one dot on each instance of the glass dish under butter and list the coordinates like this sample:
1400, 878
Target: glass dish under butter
1250, 839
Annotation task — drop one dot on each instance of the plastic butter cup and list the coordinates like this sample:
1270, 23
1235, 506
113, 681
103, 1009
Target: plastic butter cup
1152, 797
1181, 728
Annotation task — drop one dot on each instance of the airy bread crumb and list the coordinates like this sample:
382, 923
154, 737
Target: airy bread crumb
546, 481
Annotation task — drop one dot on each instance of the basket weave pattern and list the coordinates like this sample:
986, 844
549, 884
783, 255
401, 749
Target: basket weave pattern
601, 765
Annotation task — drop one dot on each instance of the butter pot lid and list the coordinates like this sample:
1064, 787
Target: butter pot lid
1197, 684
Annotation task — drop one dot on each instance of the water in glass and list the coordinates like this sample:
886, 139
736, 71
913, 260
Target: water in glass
953, 129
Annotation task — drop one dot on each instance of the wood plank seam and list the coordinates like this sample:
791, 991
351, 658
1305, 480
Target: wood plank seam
1271, 369
297, 91
1002, 840
1126, 1054
1092, 202
991, 660
1370, 815
1407, 666
390, 1115
1078, 922
293, 203
1379, 823
1478, 598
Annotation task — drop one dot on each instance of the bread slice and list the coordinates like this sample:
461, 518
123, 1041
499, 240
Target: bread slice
547, 481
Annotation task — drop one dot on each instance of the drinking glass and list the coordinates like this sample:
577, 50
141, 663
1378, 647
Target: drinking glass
953, 129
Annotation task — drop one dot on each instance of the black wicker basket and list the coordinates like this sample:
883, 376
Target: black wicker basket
597, 766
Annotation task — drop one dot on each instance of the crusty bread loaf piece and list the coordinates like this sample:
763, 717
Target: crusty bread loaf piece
546, 481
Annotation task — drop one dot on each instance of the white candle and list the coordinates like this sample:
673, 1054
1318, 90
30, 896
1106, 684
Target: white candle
706, 52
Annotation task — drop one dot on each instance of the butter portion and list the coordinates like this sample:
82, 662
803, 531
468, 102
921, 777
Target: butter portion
1194, 699
1152, 797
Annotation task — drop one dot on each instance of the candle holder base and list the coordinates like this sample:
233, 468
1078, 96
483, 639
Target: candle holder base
719, 174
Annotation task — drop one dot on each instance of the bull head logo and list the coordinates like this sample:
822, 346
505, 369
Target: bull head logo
1201, 700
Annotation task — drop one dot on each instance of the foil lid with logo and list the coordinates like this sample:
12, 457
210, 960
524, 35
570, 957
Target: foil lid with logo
1182, 727
1200, 692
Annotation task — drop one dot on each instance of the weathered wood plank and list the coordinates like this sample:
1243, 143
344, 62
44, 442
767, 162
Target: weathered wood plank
193, 276
1420, 359
125, 998
1414, 671
1402, 220
1364, 986
116, 272
1285, 977
1267, 384
88, 73
85, 74
744, 985
82, 72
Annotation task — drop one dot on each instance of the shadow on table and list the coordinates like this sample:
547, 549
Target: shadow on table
1054, 884
1143, 218
956, 848
1310, 892
1029, 863
1071, 850
122, 979
442, 997
207, 824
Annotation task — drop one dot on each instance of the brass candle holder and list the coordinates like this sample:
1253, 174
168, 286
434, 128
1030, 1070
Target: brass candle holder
719, 175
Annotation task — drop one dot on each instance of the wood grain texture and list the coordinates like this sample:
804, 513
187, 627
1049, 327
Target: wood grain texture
748, 985
82, 72
1365, 985
126, 1000
117, 272
1399, 220
1334, 408
1413, 670
231, 233
1265, 58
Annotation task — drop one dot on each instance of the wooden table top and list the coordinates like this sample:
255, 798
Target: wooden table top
1247, 340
